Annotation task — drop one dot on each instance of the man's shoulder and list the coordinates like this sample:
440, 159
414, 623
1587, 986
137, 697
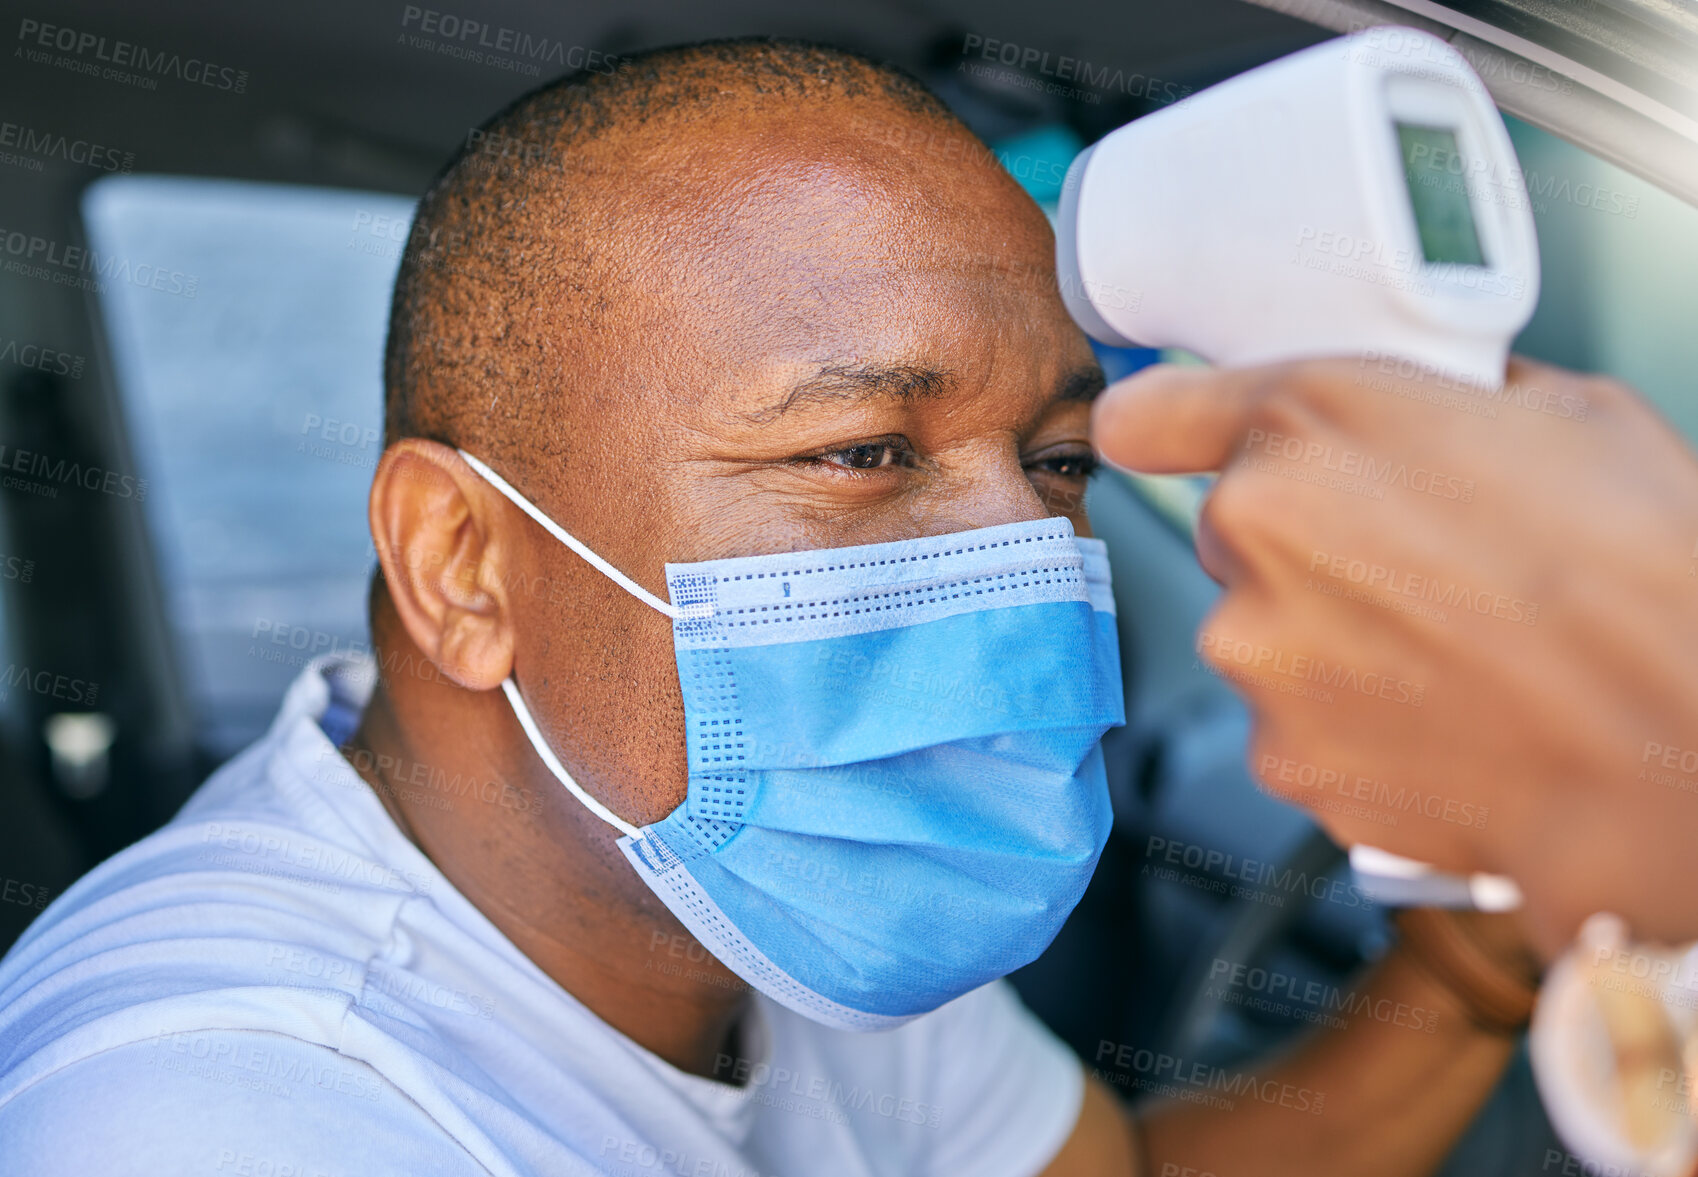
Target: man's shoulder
206, 976
221, 1102
238, 896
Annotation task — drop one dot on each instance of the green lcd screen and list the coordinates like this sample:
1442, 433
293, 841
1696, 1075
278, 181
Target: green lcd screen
1437, 175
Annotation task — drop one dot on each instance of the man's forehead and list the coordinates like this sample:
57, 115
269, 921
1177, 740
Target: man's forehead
811, 253
749, 216
772, 268
888, 330
826, 189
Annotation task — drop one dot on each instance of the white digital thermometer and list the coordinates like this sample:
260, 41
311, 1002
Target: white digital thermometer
1360, 198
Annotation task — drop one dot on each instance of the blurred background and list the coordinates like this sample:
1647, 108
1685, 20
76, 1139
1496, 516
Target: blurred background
195, 265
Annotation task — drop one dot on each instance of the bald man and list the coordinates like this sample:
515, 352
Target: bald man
734, 424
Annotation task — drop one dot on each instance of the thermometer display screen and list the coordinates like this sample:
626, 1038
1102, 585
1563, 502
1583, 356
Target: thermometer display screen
1437, 175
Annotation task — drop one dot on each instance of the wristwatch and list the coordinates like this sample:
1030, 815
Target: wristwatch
1614, 1044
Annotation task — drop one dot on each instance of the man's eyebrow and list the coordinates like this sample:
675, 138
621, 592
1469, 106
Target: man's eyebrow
836, 383
1081, 384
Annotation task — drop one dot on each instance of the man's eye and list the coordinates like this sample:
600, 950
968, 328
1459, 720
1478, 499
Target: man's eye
1079, 465
868, 456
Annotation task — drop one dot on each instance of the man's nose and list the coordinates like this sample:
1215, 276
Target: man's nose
984, 493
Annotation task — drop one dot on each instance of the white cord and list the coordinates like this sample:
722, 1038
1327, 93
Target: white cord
558, 769
565, 537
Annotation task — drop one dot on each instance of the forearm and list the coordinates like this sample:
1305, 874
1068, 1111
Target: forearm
1393, 1098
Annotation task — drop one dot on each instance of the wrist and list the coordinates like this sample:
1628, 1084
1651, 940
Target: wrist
1482, 960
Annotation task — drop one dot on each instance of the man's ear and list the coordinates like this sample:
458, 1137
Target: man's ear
435, 522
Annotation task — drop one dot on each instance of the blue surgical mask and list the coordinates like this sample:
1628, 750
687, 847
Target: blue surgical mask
896, 784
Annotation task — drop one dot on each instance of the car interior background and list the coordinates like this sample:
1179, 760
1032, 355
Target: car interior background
216, 400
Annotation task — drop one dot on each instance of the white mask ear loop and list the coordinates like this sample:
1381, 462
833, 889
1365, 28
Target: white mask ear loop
511, 689
558, 769
565, 537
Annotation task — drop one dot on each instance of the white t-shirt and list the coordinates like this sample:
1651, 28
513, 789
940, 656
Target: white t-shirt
280, 984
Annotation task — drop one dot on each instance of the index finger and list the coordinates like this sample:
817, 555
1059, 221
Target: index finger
1168, 419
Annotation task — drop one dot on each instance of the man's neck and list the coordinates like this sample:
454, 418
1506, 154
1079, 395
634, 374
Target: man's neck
544, 872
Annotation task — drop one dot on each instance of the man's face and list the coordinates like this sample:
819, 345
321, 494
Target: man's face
826, 342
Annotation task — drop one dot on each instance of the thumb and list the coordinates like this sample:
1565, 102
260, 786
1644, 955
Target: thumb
1168, 419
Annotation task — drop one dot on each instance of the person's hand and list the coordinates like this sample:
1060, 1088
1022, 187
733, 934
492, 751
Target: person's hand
1466, 622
